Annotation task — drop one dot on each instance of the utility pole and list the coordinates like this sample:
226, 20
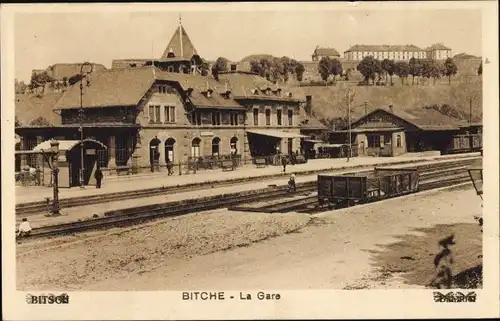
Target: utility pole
470, 110
366, 108
349, 123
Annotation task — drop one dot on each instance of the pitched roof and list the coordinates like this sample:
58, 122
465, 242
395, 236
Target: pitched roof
115, 87
242, 84
180, 44
33, 110
312, 123
437, 46
126, 87
422, 118
325, 52
397, 48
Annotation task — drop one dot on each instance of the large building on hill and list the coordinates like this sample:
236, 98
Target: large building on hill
438, 51
138, 118
324, 52
61, 71
395, 52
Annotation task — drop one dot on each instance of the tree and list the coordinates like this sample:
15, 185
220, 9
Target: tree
335, 68
389, 68
40, 79
299, 71
480, 69
221, 64
450, 69
415, 69
369, 67
74, 79
435, 70
402, 70
324, 68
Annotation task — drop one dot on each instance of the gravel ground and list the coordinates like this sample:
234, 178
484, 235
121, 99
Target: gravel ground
55, 265
331, 250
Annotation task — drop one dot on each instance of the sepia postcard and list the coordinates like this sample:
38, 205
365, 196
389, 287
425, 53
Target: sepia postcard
250, 160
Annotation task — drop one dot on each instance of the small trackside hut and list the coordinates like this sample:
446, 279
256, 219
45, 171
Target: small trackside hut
364, 187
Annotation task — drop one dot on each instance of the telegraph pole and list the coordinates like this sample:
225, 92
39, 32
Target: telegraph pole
349, 123
470, 110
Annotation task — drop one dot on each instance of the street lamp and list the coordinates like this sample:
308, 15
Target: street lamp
82, 76
54, 148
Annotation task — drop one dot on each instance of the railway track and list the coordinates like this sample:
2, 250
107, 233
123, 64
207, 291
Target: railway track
31, 208
131, 216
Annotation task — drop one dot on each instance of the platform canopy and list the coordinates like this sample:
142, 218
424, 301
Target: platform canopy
65, 145
275, 133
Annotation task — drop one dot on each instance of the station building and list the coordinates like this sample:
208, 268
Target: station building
145, 116
390, 132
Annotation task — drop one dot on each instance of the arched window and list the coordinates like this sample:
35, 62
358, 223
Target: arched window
154, 153
169, 150
215, 146
234, 145
170, 69
195, 147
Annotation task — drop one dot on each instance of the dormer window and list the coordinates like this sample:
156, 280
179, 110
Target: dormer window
171, 53
255, 92
290, 95
228, 94
189, 91
278, 92
208, 93
267, 91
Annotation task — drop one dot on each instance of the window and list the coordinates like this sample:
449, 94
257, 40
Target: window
215, 146
278, 116
169, 113
162, 89
196, 118
268, 117
373, 141
154, 114
290, 118
234, 119
151, 114
216, 118
256, 117
398, 141
234, 145
195, 147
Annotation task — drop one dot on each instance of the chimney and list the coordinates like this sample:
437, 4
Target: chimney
391, 108
309, 105
234, 67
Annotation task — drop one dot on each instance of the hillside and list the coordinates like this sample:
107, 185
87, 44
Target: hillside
331, 101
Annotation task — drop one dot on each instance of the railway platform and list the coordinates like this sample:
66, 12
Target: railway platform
35, 194
85, 212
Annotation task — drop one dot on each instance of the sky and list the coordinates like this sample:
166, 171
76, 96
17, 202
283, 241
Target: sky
43, 39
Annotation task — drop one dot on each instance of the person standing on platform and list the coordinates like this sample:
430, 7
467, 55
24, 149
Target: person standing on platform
170, 167
284, 162
98, 176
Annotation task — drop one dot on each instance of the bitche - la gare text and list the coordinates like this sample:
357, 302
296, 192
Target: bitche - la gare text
261, 295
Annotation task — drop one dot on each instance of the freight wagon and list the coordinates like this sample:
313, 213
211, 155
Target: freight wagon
466, 143
357, 188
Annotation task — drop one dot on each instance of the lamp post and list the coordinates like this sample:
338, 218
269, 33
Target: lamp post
82, 76
54, 147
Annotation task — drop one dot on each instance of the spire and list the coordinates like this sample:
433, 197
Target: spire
180, 35
180, 44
